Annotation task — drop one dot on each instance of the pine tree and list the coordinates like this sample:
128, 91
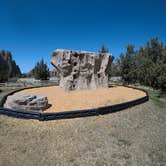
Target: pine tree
41, 71
127, 65
146, 66
104, 49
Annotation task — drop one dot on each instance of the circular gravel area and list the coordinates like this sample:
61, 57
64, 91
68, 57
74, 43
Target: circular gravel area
84, 99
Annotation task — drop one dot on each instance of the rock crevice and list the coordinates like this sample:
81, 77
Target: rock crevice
82, 70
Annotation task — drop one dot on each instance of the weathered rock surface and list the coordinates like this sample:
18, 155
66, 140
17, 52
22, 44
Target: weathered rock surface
27, 102
8, 67
82, 70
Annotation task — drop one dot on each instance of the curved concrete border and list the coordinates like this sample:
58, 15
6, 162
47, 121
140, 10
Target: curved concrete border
69, 114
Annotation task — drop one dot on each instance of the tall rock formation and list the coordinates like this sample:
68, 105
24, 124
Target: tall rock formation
82, 70
8, 67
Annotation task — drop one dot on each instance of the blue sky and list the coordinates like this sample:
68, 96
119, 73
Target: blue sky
32, 29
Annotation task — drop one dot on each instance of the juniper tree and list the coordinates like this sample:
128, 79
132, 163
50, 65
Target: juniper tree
104, 49
41, 71
146, 66
127, 65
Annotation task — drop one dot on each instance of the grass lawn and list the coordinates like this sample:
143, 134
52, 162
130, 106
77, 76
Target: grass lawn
133, 137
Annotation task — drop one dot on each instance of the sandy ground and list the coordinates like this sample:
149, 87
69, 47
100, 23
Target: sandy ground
84, 99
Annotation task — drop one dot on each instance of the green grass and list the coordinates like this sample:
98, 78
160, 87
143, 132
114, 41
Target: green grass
158, 98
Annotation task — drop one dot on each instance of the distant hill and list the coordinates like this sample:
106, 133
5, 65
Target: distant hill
8, 67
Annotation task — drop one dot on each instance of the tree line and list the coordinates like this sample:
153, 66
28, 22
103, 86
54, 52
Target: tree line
146, 66
9, 68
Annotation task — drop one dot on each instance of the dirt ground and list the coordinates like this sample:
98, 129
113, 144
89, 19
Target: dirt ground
132, 137
84, 99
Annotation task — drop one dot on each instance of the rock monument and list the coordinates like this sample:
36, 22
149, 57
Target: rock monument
82, 70
25, 102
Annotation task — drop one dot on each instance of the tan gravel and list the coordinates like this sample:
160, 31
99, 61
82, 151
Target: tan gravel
84, 99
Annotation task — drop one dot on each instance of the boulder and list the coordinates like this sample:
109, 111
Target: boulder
27, 102
82, 70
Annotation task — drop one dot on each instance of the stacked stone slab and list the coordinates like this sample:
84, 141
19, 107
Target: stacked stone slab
82, 70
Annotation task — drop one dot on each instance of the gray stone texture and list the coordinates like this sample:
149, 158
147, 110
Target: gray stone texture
27, 102
82, 70
8, 64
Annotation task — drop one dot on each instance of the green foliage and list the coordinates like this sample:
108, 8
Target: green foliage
104, 49
115, 71
127, 65
41, 71
146, 66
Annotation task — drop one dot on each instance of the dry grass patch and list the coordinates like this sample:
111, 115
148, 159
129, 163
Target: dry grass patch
135, 136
